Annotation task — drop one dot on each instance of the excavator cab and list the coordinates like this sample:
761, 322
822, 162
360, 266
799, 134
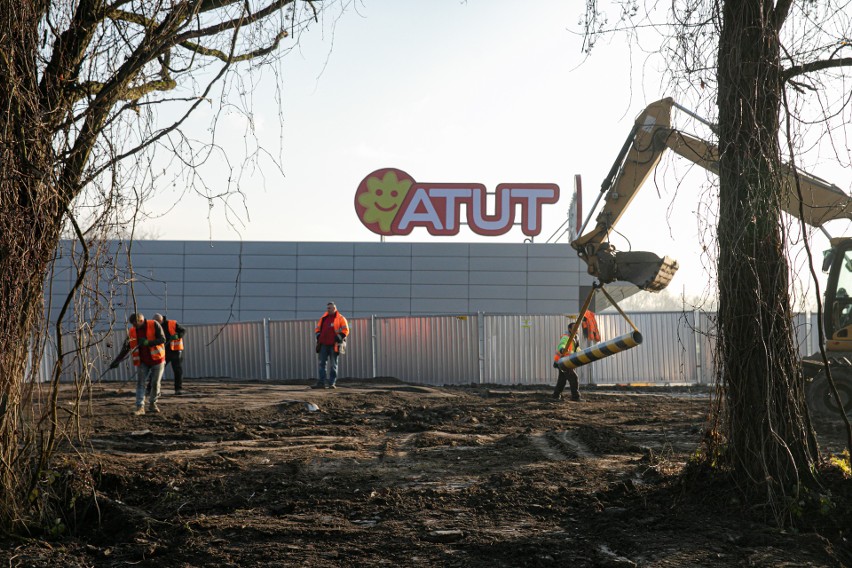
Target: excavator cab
837, 323
837, 261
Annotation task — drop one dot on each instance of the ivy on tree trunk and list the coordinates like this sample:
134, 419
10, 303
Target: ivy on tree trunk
768, 440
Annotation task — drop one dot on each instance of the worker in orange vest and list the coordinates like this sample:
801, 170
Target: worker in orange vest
146, 344
331, 333
174, 348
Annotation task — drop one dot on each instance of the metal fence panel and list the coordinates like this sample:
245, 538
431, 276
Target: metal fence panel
666, 355
428, 350
44, 371
103, 348
292, 351
358, 360
234, 350
49, 356
804, 326
518, 349
678, 347
802, 329
707, 347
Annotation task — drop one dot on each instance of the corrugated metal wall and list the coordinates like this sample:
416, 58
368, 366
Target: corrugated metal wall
677, 348
667, 354
292, 352
428, 350
519, 349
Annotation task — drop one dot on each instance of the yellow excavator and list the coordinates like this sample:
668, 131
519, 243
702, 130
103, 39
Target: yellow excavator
651, 136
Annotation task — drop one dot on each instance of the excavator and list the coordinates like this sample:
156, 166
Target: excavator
651, 136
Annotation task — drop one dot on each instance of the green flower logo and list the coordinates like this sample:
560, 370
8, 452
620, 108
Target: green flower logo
379, 196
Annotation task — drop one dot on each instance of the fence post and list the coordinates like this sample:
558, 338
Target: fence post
480, 342
267, 364
373, 344
809, 334
696, 335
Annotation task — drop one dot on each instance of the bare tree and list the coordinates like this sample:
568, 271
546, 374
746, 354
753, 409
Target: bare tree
760, 63
81, 82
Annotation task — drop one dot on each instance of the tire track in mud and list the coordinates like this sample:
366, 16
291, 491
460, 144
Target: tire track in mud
392, 446
560, 446
158, 448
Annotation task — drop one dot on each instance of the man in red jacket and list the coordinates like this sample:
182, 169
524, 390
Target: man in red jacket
331, 332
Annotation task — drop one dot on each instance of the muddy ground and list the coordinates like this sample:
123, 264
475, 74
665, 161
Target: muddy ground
388, 474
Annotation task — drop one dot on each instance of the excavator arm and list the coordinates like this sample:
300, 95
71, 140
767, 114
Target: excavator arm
651, 136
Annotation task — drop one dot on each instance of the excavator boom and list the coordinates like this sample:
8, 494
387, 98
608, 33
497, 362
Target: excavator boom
650, 137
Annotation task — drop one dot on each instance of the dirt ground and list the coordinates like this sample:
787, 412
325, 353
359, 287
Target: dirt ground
383, 473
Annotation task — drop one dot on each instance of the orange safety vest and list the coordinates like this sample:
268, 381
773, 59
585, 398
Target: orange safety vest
340, 326
590, 327
171, 328
158, 352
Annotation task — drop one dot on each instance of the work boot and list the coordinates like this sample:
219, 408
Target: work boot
154, 408
140, 410
574, 383
560, 386
178, 392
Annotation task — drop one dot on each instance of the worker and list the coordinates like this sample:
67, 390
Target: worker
146, 344
174, 348
331, 333
567, 345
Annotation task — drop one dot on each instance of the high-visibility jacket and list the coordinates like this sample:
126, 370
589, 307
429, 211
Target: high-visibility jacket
158, 352
565, 347
171, 331
340, 326
590, 327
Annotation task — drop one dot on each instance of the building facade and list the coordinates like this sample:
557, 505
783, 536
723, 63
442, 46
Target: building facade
201, 282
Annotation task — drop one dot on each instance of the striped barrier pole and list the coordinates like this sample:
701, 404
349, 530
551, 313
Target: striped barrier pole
600, 350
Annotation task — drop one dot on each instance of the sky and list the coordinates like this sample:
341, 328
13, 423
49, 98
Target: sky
479, 91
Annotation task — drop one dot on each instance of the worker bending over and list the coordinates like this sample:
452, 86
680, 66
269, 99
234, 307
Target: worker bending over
146, 344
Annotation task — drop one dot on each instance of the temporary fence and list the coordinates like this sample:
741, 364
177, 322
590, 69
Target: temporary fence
481, 348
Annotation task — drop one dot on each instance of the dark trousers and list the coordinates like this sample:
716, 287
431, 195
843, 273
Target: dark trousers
567, 376
175, 359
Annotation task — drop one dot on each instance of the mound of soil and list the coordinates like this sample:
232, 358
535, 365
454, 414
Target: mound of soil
384, 473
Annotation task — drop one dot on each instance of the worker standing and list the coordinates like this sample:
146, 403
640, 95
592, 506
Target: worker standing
567, 345
174, 348
146, 344
331, 333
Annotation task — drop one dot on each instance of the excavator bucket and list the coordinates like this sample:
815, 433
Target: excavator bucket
644, 269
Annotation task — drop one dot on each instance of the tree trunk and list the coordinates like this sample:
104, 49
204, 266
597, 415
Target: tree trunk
770, 443
30, 218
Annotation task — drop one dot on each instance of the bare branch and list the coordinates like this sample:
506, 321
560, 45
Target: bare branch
235, 23
813, 66
218, 54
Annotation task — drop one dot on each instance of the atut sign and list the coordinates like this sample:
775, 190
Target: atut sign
390, 202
